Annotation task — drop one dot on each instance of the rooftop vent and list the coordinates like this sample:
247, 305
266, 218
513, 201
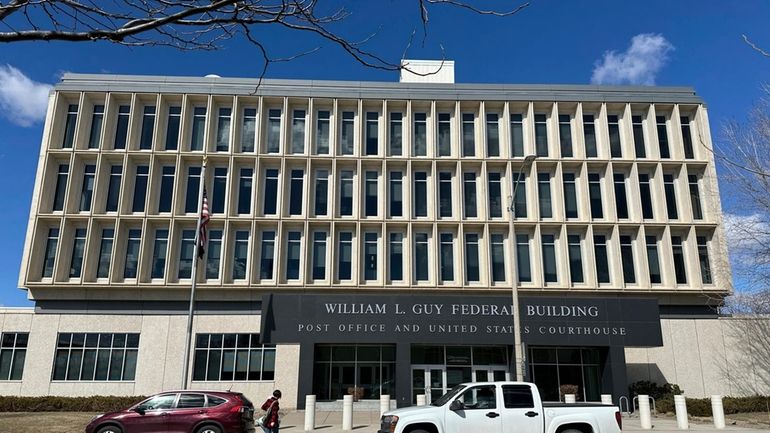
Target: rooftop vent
427, 71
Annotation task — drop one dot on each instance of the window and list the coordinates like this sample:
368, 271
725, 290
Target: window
668, 186
544, 194
621, 204
121, 129
520, 196
565, 135
132, 253
166, 188
396, 256
198, 128
653, 262
469, 195
96, 131
445, 194
497, 251
420, 194
50, 252
396, 194
159, 253
687, 137
469, 135
570, 196
241, 254
61, 187
267, 255
697, 210
249, 130
270, 200
627, 259
273, 130
190, 401
344, 267
541, 135
372, 136
227, 357
319, 255
549, 258
646, 195
370, 256
396, 134
113, 188
298, 131
140, 188
13, 351
495, 195
614, 129
105, 253
148, 127
321, 191
323, 132
517, 135
639, 145
78, 251
295, 192
371, 198
87, 191
518, 397
662, 136
420, 134
293, 255
223, 128
703, 260
347, 133
245, 182
447, 257
159, 402
602, 263
444, 134
472, 266
677, 247
69, 127
523, 267
493, 135
479, 397
96, 357
217, 199
186, 253
589, 133
193, 185
421, 256
575, 258
595, 195
346, 193
214, 254
172, 128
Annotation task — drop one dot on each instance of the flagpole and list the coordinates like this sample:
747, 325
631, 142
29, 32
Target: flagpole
191, 312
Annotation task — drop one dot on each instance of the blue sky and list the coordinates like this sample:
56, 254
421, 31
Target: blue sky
548, 42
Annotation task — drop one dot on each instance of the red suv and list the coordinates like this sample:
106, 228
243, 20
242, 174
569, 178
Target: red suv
181, 412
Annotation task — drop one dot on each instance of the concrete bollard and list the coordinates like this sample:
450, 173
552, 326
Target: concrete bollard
680, 406
718, 410
309, 412
421, 400
644, 412
606, 398
347, 413
384, 403
570, 398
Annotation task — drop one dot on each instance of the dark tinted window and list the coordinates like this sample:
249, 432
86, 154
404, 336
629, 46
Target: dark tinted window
517, 397
191, 400
215, 401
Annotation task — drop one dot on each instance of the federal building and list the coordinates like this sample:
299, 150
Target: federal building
367, 238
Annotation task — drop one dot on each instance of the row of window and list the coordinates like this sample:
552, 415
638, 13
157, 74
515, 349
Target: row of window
364, 251
442, 188
440, 130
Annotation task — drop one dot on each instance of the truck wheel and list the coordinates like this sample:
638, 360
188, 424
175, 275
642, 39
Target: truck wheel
571, 430
419, 430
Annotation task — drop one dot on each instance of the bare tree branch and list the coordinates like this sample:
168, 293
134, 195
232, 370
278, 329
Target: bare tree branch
755, 47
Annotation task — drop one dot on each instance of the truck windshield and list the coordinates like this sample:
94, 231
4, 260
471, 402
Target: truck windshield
448, 396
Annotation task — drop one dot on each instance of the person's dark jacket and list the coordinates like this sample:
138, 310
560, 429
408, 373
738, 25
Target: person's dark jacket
272, 420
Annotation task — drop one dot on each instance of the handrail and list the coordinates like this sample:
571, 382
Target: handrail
620, 404
654, 409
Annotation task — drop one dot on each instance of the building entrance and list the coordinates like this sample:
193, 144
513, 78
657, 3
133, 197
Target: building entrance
554, 369
364, 371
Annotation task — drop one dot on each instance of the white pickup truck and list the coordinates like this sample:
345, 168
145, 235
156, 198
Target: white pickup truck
501, 407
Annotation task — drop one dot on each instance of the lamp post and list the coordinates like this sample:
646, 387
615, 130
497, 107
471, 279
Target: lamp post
518, 348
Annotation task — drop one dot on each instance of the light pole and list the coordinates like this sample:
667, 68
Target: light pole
518, 348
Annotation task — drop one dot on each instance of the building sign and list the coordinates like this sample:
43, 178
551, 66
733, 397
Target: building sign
453, 319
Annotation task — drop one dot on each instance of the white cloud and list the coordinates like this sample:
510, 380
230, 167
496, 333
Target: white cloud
22, 101
637, 65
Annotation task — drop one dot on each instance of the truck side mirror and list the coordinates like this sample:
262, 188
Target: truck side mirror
456, 405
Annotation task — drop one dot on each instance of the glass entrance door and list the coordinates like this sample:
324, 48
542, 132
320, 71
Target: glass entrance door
428, 380
490, 374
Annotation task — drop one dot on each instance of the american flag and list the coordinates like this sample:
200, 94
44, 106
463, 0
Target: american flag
203, 235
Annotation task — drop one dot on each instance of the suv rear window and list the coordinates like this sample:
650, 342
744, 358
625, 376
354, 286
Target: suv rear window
518, 397
214, 401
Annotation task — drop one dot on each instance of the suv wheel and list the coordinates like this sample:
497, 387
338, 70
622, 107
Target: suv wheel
109, 429
209, 429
